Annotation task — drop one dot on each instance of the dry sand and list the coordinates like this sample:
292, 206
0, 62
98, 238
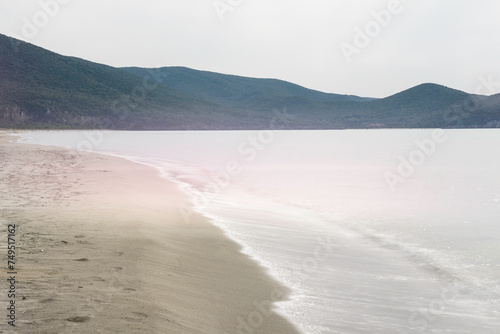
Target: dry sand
103, 248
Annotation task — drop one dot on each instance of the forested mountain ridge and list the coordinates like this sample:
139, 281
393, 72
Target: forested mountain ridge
41, 89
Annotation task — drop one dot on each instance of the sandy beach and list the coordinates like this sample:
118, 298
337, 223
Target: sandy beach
102, 247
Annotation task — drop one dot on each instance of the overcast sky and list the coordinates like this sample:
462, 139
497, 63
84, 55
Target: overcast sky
336, 46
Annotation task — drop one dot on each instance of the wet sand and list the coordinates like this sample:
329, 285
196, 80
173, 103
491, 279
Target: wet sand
103, 246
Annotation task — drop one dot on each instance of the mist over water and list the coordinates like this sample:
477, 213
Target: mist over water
375, 231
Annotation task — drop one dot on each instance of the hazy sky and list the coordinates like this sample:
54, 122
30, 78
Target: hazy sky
336, 46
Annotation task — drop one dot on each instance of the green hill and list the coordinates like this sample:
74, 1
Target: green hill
431, 105
239, 92
41, 89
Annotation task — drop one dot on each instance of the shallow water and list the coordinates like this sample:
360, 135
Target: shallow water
416, 253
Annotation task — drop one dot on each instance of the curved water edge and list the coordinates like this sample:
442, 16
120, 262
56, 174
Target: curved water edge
357, 257
435, 269
171, 170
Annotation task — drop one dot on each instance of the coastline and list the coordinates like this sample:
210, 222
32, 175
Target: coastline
103, 247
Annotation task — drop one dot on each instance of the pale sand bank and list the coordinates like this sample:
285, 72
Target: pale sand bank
103, 248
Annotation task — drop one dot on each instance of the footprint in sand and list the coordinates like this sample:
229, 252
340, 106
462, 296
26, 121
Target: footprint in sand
48, 300
78, 319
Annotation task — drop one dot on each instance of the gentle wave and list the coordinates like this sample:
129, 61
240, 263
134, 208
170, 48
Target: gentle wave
358, 258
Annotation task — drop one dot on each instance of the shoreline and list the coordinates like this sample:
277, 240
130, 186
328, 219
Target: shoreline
103, 247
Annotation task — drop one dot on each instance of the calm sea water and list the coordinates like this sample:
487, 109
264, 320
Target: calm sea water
375, 231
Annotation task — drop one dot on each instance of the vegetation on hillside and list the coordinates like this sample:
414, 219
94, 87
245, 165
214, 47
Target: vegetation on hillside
41, 89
